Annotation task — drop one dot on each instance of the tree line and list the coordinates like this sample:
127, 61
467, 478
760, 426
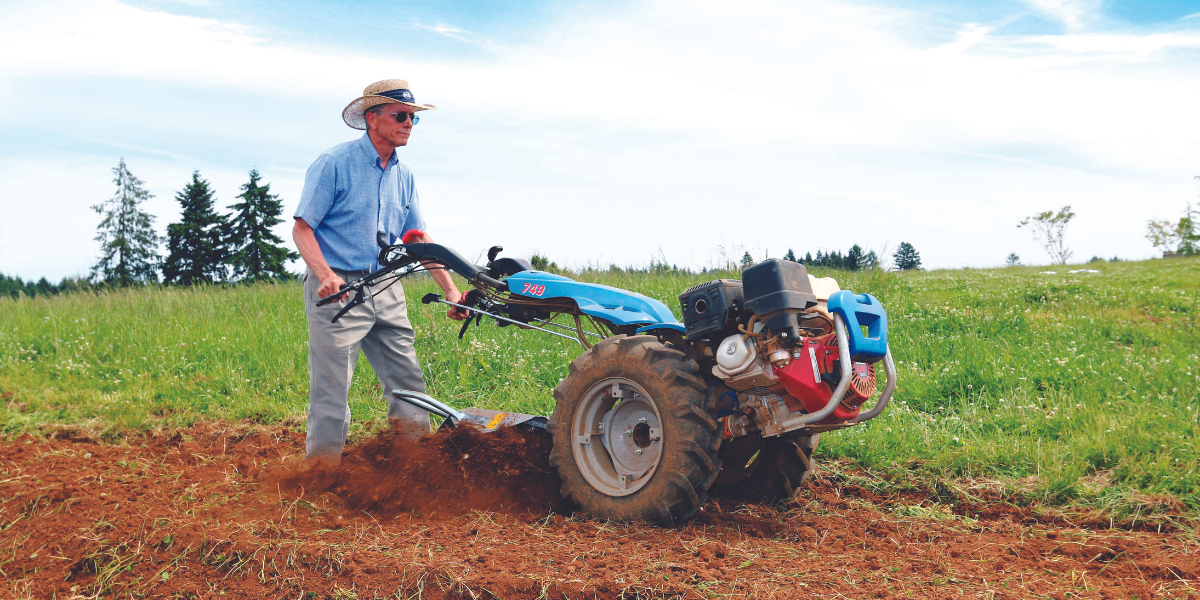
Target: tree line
205, 246
15, 286
906, 258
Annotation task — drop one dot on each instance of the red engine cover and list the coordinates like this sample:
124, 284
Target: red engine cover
802, 379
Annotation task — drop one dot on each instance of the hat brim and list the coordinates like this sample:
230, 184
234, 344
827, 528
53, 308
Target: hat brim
353, 113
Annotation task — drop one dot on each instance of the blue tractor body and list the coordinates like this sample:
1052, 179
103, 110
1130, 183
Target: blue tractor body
617, 306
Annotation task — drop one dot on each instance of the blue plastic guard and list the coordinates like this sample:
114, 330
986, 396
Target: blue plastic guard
620, 307
859, 311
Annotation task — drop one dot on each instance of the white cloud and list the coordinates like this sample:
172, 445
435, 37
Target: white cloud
448, 31
1125, 48
111, 39
772, 125
969, 35
1074, 14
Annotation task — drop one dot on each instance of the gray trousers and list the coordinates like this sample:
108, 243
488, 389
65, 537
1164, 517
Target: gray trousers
381, 329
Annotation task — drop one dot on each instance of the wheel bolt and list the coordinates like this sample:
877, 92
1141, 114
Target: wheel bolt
628, 432
642, 420
639, 450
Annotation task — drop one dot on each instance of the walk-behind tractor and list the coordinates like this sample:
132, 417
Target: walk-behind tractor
656, 415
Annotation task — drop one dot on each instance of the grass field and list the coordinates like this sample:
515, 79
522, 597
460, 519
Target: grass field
1075, 389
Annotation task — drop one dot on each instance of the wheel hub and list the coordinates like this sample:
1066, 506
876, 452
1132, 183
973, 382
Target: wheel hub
631, 435
625, 419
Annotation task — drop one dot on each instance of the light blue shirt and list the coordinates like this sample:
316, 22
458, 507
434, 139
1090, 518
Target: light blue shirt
348, 197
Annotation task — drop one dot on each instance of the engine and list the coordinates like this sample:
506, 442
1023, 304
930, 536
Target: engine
816, 370
771, 341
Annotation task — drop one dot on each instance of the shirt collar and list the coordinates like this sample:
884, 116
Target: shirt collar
364, 144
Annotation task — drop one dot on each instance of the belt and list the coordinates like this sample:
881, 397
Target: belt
351, 274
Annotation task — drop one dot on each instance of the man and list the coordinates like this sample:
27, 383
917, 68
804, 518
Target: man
352, 191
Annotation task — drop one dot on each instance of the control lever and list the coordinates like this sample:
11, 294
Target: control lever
470, 299
355, 301
432, 297
467, 323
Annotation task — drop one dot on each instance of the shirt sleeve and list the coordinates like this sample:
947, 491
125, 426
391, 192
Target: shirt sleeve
413, 219
320, 188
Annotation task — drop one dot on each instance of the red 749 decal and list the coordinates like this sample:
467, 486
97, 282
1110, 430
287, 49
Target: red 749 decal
534, 289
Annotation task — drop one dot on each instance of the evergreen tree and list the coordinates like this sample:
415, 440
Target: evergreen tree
870, 261
808, 259
256, 253
1012, 260
43, 287
835, 260
747, 260
128, 243
543, 263
854, 258
790, 255
11, 286
1189, 232
73, 283
820, 260
195, 250
907, 257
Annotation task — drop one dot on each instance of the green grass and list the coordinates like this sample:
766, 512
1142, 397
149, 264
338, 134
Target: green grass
1072, 388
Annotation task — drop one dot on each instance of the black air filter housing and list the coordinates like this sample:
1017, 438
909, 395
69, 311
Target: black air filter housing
777, 290
706, 307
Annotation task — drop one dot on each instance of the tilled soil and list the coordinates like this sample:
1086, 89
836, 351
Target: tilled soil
227, 510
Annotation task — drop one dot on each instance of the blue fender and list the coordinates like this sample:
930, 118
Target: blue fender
666, 326
620, 307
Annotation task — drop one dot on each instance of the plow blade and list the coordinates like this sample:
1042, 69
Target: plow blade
491, 420
486, 420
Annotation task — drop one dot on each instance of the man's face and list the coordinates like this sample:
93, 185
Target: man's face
386, 127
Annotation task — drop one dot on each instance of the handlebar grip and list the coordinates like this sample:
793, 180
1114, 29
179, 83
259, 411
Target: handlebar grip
334, 297
430, 298
488, 280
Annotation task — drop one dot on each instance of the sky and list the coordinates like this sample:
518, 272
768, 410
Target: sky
600, 133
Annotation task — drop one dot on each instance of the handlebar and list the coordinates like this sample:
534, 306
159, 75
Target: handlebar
398, 256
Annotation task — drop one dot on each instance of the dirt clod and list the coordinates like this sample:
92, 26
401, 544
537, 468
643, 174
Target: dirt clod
451, 472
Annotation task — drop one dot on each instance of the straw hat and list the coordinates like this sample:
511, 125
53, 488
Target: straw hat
387, 91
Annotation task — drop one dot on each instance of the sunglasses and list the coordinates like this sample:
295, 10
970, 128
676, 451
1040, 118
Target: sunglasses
402, 116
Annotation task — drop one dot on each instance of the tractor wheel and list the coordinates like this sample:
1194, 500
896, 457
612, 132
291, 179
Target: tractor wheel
754, 469
633, 437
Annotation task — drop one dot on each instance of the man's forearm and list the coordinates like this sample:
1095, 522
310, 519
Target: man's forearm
310, 250
440, 275
444, 281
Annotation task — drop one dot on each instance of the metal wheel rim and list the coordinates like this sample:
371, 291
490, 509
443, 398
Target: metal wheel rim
616, 418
